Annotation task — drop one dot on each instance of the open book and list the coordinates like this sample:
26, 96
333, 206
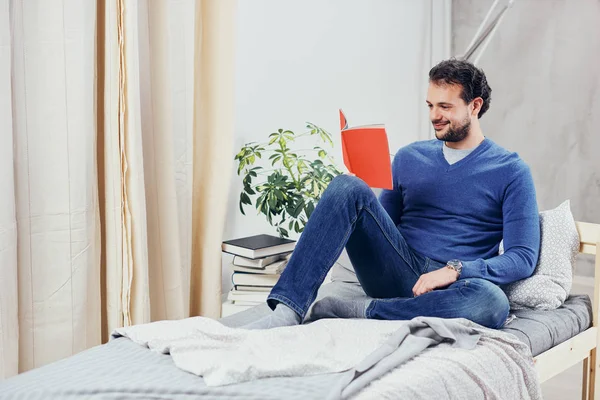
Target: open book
366, 153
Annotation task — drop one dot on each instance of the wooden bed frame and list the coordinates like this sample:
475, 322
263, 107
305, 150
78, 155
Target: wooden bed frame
584, 346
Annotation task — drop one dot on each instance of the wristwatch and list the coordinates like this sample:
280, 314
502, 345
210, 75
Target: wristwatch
455, 265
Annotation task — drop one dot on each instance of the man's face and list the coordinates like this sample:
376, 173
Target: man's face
448, 112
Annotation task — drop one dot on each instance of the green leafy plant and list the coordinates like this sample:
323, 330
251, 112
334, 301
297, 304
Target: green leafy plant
294, 185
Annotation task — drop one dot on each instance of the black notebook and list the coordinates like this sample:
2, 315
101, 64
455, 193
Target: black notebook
258, 246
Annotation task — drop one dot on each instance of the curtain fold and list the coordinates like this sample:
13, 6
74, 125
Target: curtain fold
165, 272
181, 57
134, 290
111, 208
108, 153
212, 130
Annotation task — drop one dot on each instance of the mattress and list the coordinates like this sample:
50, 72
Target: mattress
122, 369
542, 330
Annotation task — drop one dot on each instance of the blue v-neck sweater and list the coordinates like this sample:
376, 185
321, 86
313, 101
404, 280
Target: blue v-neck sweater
462, 211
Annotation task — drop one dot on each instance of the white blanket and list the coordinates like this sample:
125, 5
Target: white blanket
500, 367
224, 355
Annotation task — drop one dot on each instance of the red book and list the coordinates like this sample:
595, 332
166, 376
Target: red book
367, 153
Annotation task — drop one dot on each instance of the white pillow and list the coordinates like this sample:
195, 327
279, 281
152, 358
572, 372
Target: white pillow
551, 282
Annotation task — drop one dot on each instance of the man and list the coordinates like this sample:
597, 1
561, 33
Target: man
429, 246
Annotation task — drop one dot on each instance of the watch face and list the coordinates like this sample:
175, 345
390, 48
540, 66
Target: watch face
456, 264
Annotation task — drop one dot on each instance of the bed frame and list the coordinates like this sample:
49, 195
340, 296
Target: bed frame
583, 347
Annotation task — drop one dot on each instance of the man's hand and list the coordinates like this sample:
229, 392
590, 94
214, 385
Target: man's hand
433, 280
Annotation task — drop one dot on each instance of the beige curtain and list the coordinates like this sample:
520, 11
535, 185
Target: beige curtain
115, 126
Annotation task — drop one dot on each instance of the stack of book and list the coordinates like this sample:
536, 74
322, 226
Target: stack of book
257, 264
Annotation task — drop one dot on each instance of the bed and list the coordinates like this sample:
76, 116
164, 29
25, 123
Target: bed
122, 369
584, 345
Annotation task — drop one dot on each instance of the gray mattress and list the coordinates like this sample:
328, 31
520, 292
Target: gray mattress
542, 330
122, 369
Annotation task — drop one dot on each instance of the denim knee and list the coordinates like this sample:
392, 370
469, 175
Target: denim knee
347, 187
488, 305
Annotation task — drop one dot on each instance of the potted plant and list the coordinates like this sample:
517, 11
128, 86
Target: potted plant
294, 185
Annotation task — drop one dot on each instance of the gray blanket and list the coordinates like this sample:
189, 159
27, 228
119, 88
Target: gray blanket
406, 343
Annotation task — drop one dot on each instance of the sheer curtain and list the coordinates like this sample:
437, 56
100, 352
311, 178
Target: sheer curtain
115, 125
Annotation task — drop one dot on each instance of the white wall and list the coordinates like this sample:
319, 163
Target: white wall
300, 61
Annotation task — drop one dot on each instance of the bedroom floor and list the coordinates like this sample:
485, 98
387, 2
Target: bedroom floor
567, 386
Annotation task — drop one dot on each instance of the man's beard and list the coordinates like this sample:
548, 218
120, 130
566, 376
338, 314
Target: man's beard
455, 134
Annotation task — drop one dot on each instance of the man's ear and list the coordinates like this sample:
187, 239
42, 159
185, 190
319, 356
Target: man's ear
477, 104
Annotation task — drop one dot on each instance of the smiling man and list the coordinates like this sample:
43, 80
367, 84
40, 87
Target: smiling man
429, 246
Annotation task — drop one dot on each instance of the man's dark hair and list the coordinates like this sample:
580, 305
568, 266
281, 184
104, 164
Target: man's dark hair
472, 79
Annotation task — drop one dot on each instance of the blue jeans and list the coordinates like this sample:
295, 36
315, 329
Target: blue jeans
349, 215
